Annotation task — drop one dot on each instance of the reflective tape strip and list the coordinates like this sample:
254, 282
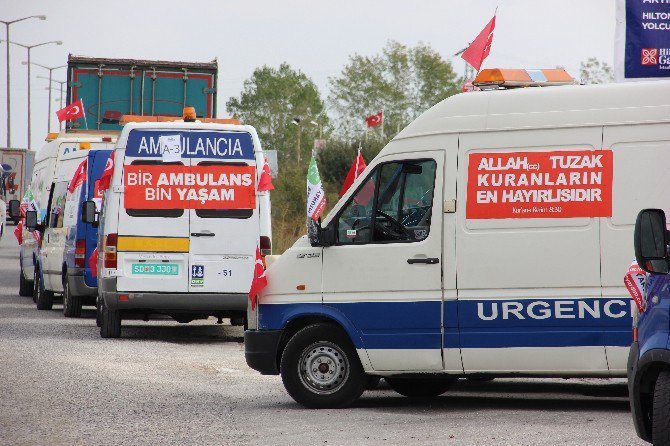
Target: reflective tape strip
152, 244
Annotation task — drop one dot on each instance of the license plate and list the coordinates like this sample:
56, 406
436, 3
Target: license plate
155, 269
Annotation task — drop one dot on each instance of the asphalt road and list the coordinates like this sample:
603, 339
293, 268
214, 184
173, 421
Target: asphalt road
166, 383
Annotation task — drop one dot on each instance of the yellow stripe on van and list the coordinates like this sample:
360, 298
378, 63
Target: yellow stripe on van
152, 244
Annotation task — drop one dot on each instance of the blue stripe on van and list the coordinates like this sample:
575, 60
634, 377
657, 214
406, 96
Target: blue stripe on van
517, 322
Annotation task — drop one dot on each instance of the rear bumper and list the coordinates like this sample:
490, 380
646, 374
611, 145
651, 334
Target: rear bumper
200, 303
77, 284
261, 349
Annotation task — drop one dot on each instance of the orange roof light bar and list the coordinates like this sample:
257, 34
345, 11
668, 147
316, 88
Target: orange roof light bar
491, 78
125, 119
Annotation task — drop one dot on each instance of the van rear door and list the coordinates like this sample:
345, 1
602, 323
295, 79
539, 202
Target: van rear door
153, 231
225, 227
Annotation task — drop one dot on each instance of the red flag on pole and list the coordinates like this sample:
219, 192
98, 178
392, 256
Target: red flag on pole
106, 177
93, 262
79, 176
259, 281
357, 167
18, 232
72, 111
374, 120
265, 182
481, 46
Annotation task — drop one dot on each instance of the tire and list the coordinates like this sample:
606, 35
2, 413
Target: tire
110, 323
71, 303
420, 387
43, 298
25, 286
660, 424
320, 347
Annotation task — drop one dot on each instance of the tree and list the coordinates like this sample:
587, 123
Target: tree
402, 81
593, 71
270, 100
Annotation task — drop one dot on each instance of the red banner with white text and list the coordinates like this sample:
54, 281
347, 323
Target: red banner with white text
551, 184
184, 187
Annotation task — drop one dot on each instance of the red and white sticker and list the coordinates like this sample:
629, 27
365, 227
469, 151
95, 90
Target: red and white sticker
552, 184
634, 281
184, 187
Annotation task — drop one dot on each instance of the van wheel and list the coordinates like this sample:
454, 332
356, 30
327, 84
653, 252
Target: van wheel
71, 303
660, 424
98, 310
43, 298
320, 368
420, 387
110, 323
25, 286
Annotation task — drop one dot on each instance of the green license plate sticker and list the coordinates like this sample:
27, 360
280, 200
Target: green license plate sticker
155, 269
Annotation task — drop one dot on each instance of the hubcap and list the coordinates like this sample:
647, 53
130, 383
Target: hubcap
323, 368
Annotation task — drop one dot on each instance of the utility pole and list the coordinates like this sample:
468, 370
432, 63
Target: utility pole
9, 107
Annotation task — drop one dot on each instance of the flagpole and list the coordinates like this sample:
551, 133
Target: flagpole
358, 156
382, 123
84, 110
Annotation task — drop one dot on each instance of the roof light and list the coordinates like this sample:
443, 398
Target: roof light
189, 114
106, 139
492, 78
84, 145
51, 136
125, 119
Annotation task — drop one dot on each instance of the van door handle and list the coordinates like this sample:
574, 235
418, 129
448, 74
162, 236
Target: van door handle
202, 234
428, 260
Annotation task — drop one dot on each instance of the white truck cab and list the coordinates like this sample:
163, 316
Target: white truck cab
181, 222
55, 164
488, 238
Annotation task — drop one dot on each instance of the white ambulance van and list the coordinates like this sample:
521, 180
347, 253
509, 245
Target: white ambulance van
57, 159
488, 238
181, 222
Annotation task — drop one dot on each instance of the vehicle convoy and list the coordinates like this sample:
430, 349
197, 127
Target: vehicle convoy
111, 88
16, 168
649, 359
181, 222
42, 248
487, 239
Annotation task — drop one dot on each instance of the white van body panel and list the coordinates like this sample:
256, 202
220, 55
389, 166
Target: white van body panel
519, 296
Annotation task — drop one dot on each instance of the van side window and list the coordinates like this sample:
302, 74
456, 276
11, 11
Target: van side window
223, 213
171, 213
401, 208
57, 210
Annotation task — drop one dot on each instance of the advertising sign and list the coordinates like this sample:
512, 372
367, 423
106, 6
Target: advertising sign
552, 184
183, 187
642, 39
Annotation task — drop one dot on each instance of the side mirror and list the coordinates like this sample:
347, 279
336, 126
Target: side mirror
651, 241
15, 209
88, 212
319, 236
31, 220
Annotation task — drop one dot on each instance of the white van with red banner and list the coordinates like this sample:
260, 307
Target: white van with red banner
181, 222
489, 238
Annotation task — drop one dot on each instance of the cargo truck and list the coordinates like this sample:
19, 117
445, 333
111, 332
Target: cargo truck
16, 168
111, 88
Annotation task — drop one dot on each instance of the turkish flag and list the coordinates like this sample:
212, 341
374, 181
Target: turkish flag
106, 177
265, 182
357, 167
18, 232
70, 112
259, 281
79, 176
481, 46
374, 120
93, 262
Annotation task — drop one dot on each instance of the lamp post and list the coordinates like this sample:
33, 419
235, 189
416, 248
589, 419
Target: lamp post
7, 23
60, 100
51, 69
28, 48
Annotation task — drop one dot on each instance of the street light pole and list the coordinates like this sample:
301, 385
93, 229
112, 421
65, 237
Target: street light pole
51, 69
60, 125
28, 48
9, 119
